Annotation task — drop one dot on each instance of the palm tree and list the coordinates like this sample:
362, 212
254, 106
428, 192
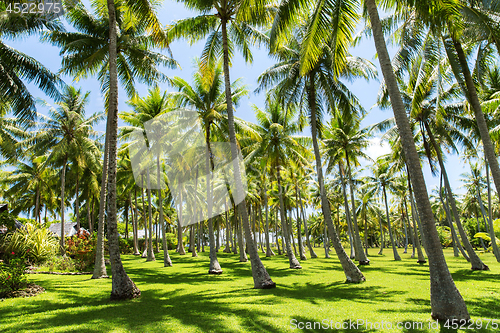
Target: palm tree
446, 301
146, 110
344, 139
382, 176
279, 143
65, 134
316, 83
437, 122
17, 67
241, 17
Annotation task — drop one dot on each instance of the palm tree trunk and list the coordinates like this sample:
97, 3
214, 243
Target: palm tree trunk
77, 201
261, 278
37, 205
325, 242
167, 262
241, 245
394, 249
366, 233
63, 181
306, 230
351, 271
475, 261
269, 251
122, 286
125, 211
294, 263
151, 255
302, 252
490, 219
446, 301
227, 249
362, 258
407, 217
180, 241
491, 231
145, 252
88, 212
414, 216
93, 215
135, 224
381, 232
352, 243
471, 94
99, 265
214, 263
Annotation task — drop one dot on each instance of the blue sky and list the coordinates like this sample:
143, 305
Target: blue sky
184, 54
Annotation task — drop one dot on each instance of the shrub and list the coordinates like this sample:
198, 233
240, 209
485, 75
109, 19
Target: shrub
81, 247
61, 264
39, 241
126, 245
7, 219
13, 273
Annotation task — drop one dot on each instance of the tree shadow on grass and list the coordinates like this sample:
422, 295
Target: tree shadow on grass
154, 311
468, 274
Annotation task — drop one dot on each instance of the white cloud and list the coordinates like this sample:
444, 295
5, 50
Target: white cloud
377, 148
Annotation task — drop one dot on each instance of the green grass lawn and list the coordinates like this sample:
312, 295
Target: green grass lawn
184, 298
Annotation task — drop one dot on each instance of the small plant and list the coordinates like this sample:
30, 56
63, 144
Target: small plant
13, 273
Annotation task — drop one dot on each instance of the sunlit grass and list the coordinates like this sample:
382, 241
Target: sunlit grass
184, 298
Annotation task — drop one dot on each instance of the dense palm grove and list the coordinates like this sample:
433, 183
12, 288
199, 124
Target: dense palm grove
442, 84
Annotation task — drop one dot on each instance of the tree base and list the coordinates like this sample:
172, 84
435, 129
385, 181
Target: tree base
421, 262
215, 271
295, 267
100, 276
131, 293
482, 268
365, 262
266, 285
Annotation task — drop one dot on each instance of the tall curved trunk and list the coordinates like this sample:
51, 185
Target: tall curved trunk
180, 241
394, 249
471, 94
362, 258
446, 301
351, 271
122, 285
475, 261
261, 278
